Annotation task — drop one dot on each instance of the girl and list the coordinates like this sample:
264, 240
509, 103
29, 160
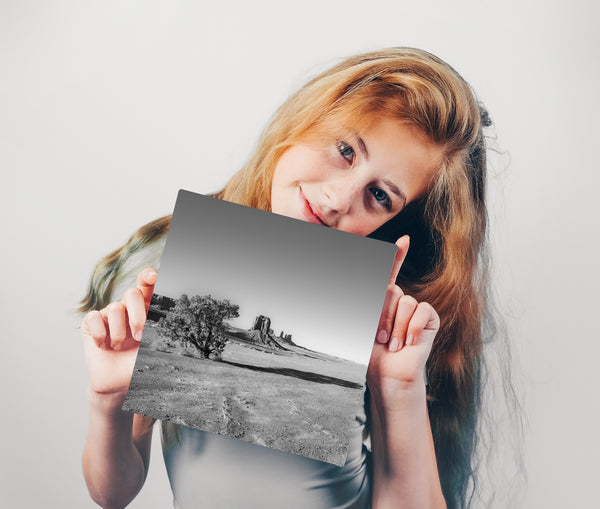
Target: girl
387, 144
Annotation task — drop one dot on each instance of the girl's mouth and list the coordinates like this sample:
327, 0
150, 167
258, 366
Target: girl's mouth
308, 212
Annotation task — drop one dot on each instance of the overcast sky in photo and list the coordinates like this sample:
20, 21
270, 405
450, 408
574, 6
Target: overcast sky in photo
325, 287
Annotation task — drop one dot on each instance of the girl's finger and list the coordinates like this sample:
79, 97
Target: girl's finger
386, 320
117, 324
133, 300
425, 319
93, 325
406, 307
145, 282
403, 244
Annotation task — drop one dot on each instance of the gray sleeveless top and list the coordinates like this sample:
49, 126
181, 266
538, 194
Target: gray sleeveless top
209, 471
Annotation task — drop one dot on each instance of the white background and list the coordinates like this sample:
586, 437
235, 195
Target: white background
107, 108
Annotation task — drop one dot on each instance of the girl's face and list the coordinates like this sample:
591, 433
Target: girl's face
360, 181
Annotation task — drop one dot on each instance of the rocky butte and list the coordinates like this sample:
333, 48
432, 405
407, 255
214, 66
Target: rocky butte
261, 333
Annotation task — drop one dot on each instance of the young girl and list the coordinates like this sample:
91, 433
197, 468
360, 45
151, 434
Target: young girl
387, 144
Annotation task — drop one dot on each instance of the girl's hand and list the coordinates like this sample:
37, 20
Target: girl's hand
112, 337
404, 337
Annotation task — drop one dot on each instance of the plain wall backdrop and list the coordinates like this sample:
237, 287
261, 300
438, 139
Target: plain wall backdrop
108, 108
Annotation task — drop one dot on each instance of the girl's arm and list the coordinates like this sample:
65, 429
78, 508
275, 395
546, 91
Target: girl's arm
404, 463
117, 450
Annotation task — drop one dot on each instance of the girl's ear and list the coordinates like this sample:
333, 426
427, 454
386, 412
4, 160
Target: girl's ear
423, 254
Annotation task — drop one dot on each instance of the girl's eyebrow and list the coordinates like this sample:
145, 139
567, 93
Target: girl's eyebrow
395, 189
362, 147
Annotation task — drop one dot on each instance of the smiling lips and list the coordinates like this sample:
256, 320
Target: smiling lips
308, 211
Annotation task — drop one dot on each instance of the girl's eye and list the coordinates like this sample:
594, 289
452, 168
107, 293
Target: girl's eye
381, 196
346, 151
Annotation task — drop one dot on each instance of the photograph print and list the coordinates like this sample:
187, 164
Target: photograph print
256, 332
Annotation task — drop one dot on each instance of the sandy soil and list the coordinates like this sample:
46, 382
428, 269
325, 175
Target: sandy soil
292, 403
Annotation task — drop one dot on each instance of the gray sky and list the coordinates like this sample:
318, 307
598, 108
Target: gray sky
323, 286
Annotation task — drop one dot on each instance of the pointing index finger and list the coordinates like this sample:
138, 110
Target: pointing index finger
402, 243
145, 282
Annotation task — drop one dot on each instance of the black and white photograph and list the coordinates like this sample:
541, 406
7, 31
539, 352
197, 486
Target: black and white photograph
254, 330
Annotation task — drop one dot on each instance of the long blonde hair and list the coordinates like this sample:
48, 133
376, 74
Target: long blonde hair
417, 87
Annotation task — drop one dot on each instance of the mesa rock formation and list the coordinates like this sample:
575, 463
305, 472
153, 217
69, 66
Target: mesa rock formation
262, 333
286, 339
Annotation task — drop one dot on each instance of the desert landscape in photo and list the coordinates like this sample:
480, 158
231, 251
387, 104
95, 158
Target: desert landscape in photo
263, 389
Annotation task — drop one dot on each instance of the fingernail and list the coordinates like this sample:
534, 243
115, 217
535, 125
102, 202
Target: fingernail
394, 344
382, 336
409, 339
138, 335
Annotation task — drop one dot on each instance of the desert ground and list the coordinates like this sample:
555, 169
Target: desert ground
288, 401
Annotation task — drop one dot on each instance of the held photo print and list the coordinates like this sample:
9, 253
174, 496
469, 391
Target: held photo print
261, 328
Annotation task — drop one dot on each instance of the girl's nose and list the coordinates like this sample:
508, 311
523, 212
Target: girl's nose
341, 193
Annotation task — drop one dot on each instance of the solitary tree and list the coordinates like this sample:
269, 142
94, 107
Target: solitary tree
199, 322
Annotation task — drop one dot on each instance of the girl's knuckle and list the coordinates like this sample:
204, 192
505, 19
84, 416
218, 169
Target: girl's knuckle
400, 322
91, 322
91, 317
408, 299
117, 337
98, 334
136, 324
426, 306
131, 293
115, 307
